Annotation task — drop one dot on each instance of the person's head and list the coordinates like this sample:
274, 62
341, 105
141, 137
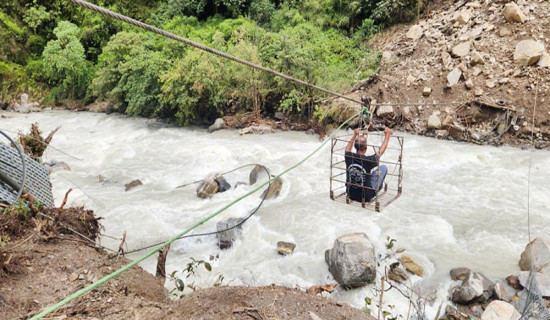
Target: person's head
361, 144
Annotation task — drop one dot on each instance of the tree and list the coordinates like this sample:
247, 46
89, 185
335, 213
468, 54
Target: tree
193, 91
65, 64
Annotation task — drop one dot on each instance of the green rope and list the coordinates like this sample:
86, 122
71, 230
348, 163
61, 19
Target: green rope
147, 255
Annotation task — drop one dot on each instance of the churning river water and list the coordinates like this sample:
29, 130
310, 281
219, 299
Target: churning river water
462, 204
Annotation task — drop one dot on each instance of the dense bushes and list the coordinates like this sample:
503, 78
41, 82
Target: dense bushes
65, 65
80, 55
136, 73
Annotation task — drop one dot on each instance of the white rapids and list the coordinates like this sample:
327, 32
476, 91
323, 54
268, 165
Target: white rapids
462, 204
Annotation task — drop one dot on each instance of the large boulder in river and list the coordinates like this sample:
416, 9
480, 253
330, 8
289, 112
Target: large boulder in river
352, 260
536, 255
223, 185
208, 187
475, 288
228, 231
500, 310
253, 176
211, 185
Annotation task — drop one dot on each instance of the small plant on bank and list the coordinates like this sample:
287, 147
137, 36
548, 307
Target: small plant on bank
184, 279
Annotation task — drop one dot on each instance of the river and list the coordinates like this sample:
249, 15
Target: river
462, 204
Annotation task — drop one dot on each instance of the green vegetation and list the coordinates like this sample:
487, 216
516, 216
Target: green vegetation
59, 51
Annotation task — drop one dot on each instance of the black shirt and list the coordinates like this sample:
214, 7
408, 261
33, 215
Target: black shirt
358, 169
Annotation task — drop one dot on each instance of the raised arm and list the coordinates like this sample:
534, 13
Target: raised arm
350, 143
384, 145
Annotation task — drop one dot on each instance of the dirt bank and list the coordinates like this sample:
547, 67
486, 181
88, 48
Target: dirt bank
462, 56
42, 262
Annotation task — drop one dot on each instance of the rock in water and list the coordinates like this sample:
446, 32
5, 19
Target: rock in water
253, 177
133, 184
274, 189
227, 237
500, 310
352, 261
223, 185
285, 248
528, 52
411, 265
397, 274
208, 187
218, 125
536, 255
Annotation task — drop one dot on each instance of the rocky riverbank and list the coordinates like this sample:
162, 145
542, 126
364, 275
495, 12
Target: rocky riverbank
354, 263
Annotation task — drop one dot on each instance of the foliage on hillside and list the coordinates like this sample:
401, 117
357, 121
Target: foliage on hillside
79, 55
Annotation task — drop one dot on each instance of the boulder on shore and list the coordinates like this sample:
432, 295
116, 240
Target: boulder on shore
415, 32
513, 13
352, 261
475, 288
461, 49
500, 310
460, 273
536, 255
542, 281
434, 122
528, 52
218, 125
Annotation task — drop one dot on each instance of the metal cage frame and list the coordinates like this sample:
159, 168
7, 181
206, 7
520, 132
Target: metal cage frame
390, 191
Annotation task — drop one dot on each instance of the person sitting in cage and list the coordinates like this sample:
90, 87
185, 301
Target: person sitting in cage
362, 183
